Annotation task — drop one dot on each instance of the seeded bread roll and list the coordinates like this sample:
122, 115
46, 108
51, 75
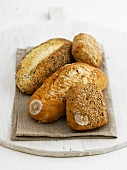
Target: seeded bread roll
41, 62
86, 49
47, 104
85, 107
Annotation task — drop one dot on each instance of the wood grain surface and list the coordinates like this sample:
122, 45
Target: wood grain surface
114, 43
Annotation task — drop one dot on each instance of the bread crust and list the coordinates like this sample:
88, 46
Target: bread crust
86, 49
85, 107
34, 68
53, 91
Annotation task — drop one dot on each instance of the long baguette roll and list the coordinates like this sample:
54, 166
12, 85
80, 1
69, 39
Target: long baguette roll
41, 62
47, 104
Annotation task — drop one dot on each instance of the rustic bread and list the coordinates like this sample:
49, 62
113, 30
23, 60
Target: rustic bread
86, 49
47, 104
41, 62
85, 107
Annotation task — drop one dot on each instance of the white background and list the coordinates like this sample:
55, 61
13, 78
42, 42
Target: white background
19, 12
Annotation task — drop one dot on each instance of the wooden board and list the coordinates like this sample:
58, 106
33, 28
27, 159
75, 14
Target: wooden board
114, 43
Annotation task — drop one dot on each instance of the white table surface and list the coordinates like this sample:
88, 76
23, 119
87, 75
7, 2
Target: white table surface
19, 12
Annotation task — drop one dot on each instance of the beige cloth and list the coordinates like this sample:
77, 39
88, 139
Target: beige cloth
25, 128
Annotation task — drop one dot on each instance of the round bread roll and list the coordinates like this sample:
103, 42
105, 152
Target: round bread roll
85, 107
86, 49
48, 102
41, 62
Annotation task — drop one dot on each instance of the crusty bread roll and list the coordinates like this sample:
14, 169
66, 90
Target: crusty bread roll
85, 107
41, 62
86, 49
47, 104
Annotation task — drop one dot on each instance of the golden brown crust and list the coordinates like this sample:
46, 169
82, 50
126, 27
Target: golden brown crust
85, 107
86, 49
53, 91
41, 62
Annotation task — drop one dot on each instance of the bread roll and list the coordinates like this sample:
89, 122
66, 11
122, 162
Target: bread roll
86, 49
85, 107
47, 104
41, 62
